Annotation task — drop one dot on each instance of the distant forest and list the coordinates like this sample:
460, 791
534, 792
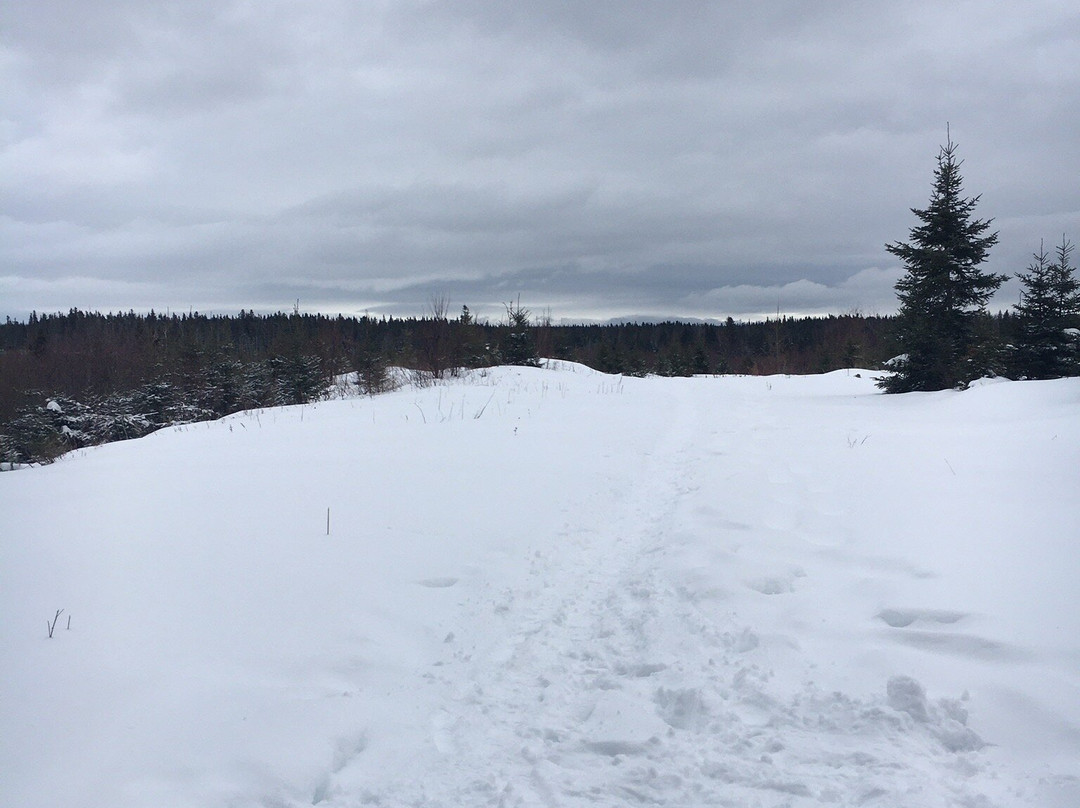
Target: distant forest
80, 378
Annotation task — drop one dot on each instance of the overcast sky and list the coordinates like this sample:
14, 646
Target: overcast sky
599, 159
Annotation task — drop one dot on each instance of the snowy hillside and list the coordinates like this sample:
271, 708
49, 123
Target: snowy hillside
553, 587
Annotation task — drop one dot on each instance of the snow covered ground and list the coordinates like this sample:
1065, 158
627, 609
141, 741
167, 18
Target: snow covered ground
554, 587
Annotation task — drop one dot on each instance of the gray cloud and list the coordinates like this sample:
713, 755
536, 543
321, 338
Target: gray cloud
600, 159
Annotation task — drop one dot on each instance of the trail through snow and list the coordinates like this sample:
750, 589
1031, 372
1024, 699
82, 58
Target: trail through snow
599, 591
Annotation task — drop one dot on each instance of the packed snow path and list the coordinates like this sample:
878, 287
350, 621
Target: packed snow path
558, 588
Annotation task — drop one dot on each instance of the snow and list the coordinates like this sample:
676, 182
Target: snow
554, 587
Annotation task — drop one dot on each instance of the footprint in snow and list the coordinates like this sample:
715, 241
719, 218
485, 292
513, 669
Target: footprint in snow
925, 629
438, 583
775, 584
902, 618
770, 586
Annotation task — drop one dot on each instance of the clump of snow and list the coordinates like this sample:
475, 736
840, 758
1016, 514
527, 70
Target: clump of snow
947, 719
987, 380
907, 696
550, 586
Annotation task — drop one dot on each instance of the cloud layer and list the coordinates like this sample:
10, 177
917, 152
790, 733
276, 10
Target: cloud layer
599, 159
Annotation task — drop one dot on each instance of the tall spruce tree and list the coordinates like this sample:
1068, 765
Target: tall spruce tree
943, 292
1049, 304
518, 348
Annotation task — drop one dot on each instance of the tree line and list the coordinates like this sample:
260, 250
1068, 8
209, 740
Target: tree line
79, 378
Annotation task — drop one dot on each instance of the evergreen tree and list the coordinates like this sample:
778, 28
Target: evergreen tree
943, 291
1049, 305
518, 348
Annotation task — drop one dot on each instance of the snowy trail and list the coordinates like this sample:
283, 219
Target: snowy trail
557, 588
564, 689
